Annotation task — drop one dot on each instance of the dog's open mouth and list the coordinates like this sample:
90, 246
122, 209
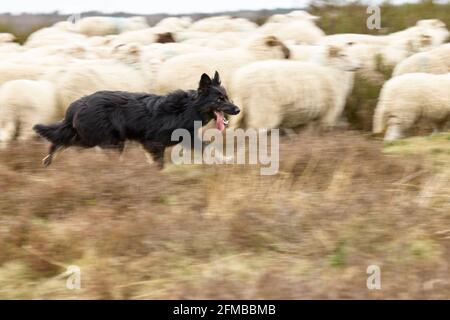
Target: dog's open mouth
221, 121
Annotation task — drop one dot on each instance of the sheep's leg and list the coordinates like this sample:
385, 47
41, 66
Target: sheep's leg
436, 130
263, 119
7, 134
26, 129
26, 134
397, 125
393, 132
332, 116
439, 126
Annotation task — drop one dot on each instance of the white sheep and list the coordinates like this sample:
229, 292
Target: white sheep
293, 15
435, 61
44, 57
300, 31
150, 58
219, 24
9, 49
174, 24
408, 98
223, 40
186, 35
288, 94
424, 35
68, 50
13, 71
166, 51
437, 29
85, 77
53, 36
182, 72
375, 58
305, 52
100, 26
354, 38
142, 36
6, 37
296, 26
23, 103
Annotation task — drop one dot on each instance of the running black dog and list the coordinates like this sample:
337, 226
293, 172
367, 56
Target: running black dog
108, 118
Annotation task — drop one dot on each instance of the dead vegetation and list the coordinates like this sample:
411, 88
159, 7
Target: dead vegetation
339, 204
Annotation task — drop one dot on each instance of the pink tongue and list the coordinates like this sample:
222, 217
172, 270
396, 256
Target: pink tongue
219, 121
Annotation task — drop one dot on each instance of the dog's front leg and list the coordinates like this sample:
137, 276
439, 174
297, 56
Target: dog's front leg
157, 152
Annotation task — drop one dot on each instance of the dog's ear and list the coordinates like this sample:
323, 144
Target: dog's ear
216, 79
205, 83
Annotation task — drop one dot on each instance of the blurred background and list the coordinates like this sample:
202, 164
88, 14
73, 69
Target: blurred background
343, 198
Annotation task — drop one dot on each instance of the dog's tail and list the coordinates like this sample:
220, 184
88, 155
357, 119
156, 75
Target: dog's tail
60, 133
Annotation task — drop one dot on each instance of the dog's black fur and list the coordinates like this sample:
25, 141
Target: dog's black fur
108, 118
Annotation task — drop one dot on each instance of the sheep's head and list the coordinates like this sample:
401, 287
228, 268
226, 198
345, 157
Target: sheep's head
426, 40
77, 51
419, 41
339, 57
296, 15
135, 23
431, 23
127, 53
268, 47
274, 42
435, 28
276, 18
7, 37
213, 101
302, 15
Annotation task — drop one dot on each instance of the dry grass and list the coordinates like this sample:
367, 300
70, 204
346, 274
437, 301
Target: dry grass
338, 204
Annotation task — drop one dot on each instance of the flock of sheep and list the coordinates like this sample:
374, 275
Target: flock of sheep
283, 74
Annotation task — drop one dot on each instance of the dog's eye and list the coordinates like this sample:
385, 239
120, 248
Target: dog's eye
220, 99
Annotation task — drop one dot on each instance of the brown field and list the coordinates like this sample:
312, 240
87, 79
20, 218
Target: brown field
342, 201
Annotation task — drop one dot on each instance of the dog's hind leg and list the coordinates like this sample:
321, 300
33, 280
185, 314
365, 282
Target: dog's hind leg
49, 158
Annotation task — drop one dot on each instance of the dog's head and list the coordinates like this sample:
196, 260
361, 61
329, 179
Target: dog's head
215, 102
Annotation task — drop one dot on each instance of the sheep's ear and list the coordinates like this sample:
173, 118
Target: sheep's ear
410, 46
134, 50
425, 40
216, 79
164, 37
272, 41
205, 83
333, 51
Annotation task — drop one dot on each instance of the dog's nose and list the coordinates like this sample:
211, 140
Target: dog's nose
236, 110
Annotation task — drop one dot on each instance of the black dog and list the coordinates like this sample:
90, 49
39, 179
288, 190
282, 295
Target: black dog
108, 118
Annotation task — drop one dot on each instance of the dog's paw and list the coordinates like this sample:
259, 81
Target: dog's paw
47, 161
